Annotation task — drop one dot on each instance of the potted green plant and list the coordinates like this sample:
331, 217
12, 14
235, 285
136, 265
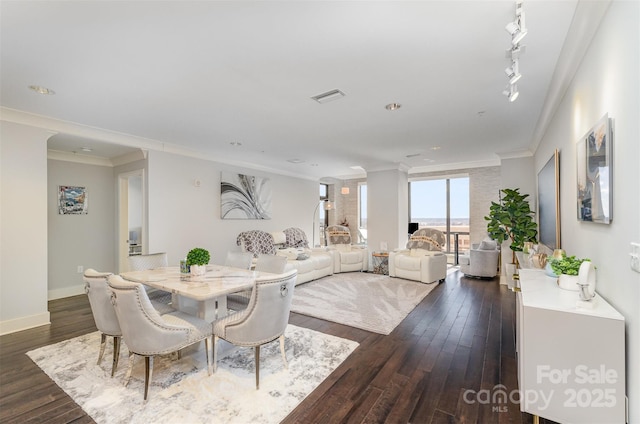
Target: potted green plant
567, 269
197, 259
511, 218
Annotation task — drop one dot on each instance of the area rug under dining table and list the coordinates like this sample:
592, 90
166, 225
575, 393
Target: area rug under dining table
372, 302
183, 392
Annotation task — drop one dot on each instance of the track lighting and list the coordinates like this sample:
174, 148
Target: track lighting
517, 28
518, 31
512, 72
511, 92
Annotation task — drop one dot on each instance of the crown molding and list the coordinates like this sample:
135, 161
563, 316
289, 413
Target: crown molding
516, 154
76, 158
454, 166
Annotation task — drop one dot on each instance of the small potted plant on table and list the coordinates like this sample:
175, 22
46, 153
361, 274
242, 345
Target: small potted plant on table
197, 260
567, 269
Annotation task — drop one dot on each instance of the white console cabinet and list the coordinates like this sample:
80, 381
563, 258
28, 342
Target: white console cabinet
571, 360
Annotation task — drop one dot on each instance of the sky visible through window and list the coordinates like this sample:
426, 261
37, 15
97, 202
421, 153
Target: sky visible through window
429, 198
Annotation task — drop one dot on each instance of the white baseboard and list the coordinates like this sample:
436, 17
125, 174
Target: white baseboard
24, 323
65, 292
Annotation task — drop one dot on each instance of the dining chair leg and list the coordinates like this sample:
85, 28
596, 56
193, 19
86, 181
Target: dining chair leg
148, 373
215, 353
284, 354
207, 349
116, 354
257, 349
103, 344
127, 376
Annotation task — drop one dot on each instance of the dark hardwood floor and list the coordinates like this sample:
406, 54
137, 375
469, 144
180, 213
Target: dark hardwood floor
458, 342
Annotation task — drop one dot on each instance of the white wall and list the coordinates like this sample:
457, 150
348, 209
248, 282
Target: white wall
387, 209
183, 216
23, 227
607, 81
79, 240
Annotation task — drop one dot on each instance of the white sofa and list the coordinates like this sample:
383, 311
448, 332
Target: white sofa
311, 264
317, 264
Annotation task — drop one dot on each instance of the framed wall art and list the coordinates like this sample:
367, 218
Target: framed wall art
595, 171
244, 196
72, 200
549, 202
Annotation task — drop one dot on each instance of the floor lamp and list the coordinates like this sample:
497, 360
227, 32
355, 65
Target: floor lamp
327, 207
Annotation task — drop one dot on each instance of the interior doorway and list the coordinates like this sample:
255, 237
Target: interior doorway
131, 217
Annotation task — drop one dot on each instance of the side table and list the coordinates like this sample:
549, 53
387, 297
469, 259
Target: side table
380, 263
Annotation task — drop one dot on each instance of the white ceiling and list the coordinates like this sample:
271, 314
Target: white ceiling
200, 75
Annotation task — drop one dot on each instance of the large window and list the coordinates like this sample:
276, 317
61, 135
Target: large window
442, 204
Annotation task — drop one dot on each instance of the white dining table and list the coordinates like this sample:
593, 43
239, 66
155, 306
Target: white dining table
204, 296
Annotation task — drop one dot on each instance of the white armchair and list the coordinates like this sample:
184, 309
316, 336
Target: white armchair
347, 257
422, 260
482, 261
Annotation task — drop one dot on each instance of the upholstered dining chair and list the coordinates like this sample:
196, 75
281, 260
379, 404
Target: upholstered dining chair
263, 321
97, 289
149, 334
239, 260
265, 263
161, 300
240, 300
274, 264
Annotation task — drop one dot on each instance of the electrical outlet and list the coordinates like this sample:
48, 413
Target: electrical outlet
635, 256
80, 269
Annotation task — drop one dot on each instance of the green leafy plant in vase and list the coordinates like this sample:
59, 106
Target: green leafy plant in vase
511, 218
567, 269
197, 260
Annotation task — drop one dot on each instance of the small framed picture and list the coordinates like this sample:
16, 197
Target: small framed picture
72, 200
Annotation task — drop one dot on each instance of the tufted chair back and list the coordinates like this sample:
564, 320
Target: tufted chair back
162, 301
427, 239
338, 234
97, 289
239, 260
264, 320
146, 332
150, 261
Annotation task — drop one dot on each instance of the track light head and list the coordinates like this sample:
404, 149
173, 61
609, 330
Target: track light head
511, 92
512, 73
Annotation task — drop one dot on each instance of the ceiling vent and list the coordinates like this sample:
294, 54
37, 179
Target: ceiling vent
328, 96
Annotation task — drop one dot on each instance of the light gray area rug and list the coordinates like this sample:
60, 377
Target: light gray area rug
372, 302
183, 392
